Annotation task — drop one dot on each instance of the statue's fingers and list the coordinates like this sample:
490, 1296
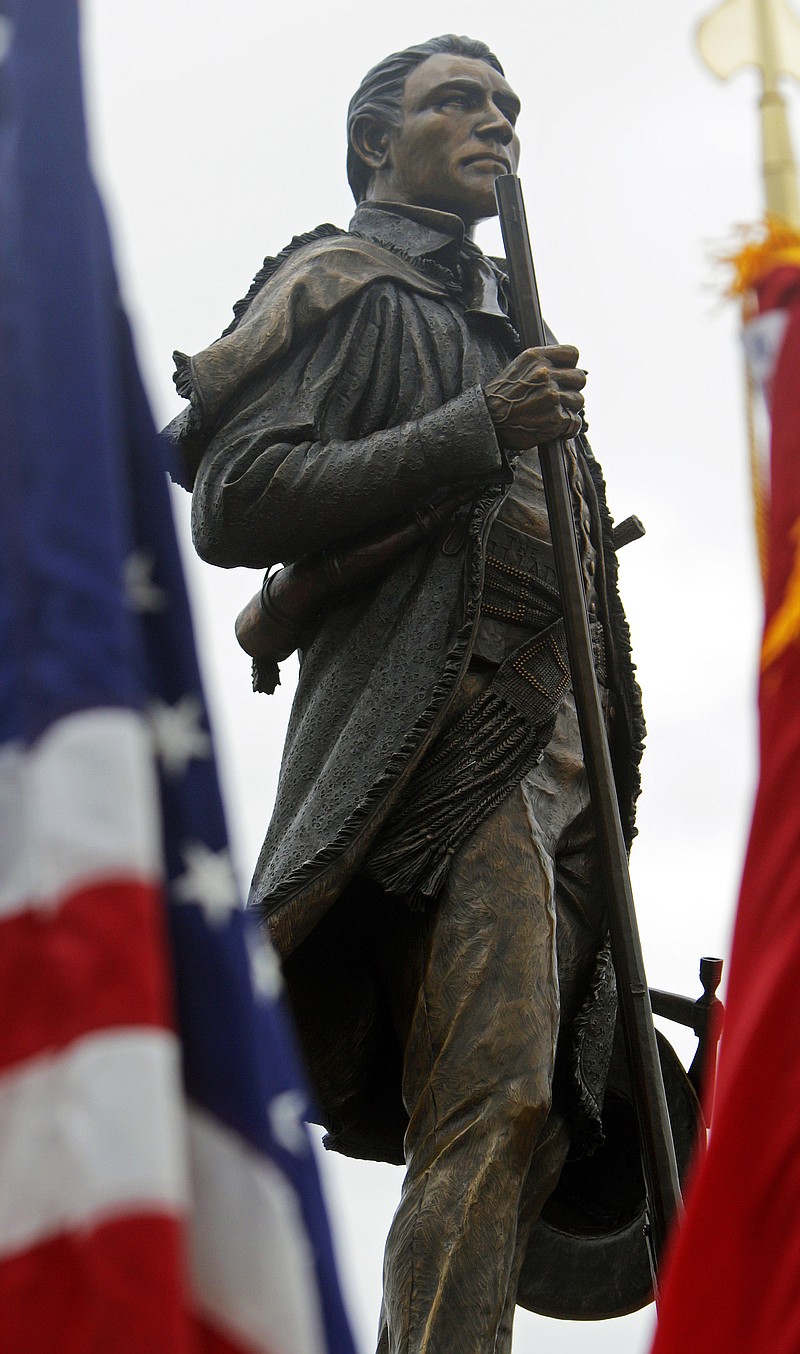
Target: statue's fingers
562, 354
544, 399
570, 378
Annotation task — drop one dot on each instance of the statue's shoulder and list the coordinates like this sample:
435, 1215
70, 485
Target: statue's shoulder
337, 264
312, 242
293, 295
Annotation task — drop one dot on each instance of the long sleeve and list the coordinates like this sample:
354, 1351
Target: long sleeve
348, 432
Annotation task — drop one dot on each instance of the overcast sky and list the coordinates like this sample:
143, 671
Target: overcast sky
218, 133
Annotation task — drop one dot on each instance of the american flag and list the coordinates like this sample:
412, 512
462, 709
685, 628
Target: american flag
157, 1186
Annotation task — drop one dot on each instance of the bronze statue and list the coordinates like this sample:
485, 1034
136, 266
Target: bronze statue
429, 875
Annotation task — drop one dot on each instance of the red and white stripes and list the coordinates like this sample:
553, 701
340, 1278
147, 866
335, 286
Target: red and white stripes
92, 1161
101, 1167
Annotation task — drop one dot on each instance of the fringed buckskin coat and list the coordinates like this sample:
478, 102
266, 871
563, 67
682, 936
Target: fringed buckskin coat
347, 391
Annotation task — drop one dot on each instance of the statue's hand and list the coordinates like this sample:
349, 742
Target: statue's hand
537, 397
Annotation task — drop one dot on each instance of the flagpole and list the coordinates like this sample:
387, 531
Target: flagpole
764, 34
779, 167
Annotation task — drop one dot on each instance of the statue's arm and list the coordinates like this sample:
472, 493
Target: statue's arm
278, 483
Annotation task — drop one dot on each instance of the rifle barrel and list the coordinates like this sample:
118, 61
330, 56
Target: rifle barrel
658, 1153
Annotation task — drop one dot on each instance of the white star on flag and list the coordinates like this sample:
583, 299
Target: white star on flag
265, 969
209, 881
286, 1113
178, 734
143, 594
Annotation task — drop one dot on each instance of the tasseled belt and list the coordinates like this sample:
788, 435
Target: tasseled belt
475, 763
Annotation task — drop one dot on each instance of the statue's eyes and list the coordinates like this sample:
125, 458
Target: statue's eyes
456, 100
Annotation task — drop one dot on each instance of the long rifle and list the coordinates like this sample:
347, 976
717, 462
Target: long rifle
655, 1135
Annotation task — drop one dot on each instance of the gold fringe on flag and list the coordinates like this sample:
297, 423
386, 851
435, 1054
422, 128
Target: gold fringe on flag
773, 244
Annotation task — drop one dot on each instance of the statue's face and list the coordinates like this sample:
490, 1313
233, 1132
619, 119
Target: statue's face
456, 136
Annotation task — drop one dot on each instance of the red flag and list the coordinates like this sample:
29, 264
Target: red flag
733, 1280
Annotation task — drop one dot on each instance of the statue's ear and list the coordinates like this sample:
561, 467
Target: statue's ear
370, 140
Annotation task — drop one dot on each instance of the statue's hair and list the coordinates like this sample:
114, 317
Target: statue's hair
381, 93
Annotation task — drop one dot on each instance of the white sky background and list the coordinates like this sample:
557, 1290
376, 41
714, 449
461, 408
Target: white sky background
218, 132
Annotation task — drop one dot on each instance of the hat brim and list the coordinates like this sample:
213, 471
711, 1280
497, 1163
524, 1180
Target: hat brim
587, 1258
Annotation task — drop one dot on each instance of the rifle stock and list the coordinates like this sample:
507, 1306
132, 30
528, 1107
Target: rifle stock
658, 1154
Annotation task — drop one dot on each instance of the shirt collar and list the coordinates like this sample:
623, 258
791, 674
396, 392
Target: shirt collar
420, 232
423, 233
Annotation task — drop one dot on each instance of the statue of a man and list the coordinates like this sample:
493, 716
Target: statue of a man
429, 875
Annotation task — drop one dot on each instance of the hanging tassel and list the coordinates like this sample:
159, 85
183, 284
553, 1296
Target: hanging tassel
762, 249
592, 1046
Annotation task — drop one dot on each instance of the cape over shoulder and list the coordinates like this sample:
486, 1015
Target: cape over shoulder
307, 283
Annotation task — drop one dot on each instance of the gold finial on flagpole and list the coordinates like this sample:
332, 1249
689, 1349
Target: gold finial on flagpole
764, 34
